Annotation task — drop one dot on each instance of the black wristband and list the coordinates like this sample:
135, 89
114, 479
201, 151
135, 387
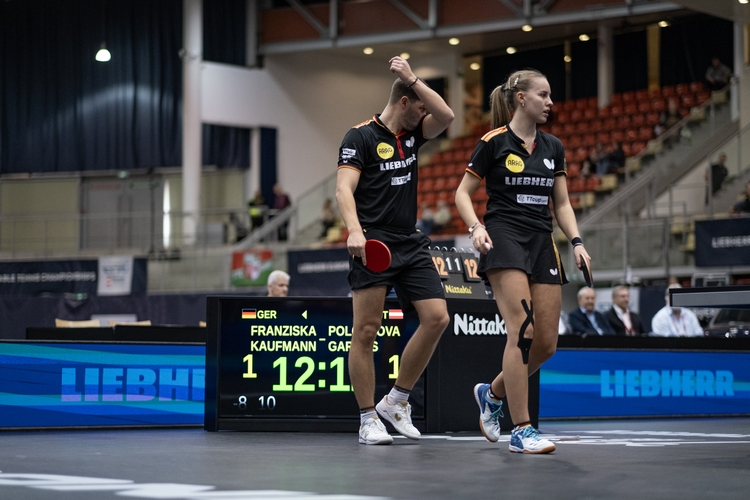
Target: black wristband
416, 79
576, 241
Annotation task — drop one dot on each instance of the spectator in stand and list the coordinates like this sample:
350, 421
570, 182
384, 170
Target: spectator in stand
599, 158
426, 219
718, 172
743, 206
256, 208
675, 321
327, 217
612, 161
718, 75
588, 168
281, 200
667, 120
442, 217
623, 321
585, 319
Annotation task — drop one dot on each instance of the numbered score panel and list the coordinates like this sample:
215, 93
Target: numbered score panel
282, 363
458, 272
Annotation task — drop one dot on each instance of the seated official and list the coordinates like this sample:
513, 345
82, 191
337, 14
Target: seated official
622, 320
585, 319
675, 321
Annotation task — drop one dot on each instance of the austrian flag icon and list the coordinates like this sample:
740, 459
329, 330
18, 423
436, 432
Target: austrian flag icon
249, 313
395, 314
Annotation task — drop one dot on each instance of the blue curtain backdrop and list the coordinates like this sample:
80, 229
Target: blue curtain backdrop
60, 110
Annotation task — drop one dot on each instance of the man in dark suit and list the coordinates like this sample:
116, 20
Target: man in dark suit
585, 319
620, 318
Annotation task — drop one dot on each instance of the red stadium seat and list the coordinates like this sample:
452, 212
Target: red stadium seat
641, 95
589, 140
596, 125
617, 135
681, 89
637, 147
644, 106
624, 121
592, 183
645, 133
561, 117
702, 96
627, 149
654, 93
616, 110
604, 137
582, 127
576, 115
570, 128
631, 134
609, 124
427, 185
574, 169
439, 184
430, 198
574, 141
569, 105
556, 130
696, 87
616, 99
604, 112
592, 102
638, 120
580, 154
576, 185
590, 113
581, 104
687, 101
652, 118
668, 91
658, 105
631, 108
628, 97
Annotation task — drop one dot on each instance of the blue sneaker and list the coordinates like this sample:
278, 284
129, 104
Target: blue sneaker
527, 440
489, 413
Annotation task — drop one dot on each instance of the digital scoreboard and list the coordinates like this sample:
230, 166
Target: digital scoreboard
281, 364
278, 364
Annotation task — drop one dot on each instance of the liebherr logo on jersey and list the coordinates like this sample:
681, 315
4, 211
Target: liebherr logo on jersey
396, 164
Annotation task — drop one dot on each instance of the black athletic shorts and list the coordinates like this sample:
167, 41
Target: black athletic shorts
412, 273
530, 251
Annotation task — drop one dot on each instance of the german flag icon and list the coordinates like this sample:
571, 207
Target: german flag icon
249, 313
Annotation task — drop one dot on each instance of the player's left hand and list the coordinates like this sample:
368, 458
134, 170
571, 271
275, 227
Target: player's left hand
402, 69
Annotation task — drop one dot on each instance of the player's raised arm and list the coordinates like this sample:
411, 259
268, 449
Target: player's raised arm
440, 115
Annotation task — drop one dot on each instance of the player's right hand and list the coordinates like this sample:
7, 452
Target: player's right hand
355, 243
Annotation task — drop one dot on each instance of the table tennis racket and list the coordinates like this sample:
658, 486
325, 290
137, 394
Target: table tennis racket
586, 270
377, 255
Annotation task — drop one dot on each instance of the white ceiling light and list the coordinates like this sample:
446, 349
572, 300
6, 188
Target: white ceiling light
103, 54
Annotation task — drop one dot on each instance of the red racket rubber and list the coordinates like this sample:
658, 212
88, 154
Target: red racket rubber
378, 256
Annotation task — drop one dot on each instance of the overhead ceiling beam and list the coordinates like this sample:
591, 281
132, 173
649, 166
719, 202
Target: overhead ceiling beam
415, 18
512, 7
311, 20
597, 14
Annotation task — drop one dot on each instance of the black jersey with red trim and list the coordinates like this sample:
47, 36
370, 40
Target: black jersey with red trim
519, 183
386, 195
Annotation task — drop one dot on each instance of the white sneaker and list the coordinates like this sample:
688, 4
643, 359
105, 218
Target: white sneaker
399, 415
527, 440
373, 432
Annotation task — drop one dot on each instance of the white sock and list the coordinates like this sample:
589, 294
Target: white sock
364, 416
396, 396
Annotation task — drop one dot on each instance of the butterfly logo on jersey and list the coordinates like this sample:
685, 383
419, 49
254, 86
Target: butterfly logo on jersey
553, 272
549, 163
410, 142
